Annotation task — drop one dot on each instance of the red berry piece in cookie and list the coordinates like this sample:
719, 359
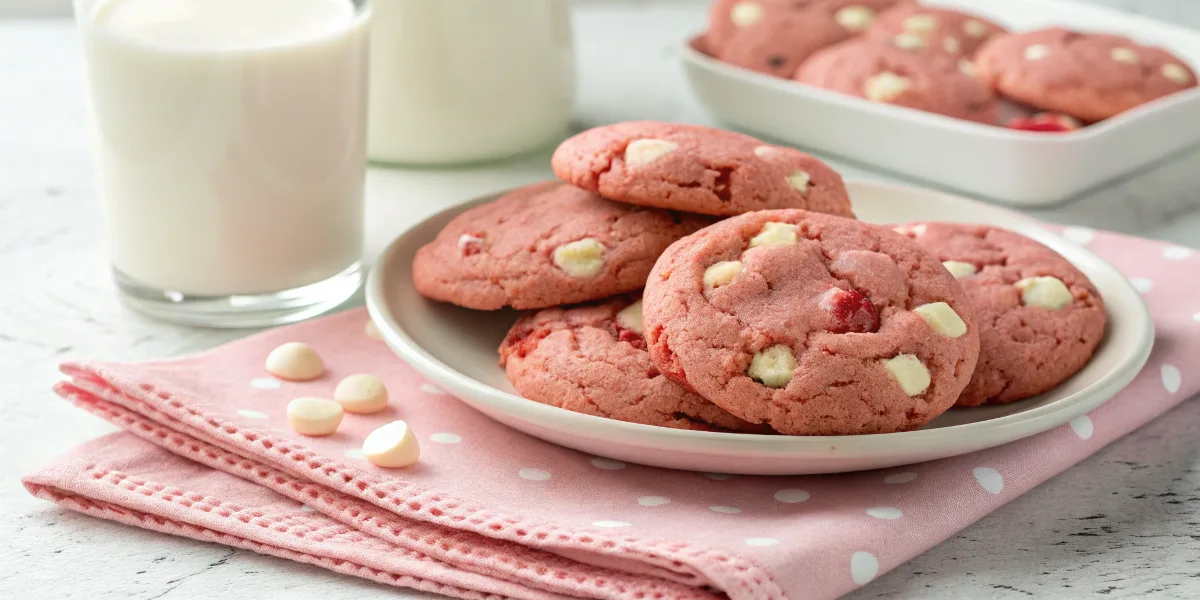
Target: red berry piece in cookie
1040, 319
882, 72
544, 245
1090, 76
697, 169
592, 359
812, 324
1046, 122
925, 29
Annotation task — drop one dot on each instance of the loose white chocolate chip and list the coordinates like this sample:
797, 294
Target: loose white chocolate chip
372, 330
774, 234
1046, 292
392, 446
581, 258
885, 86
1125, 55
314, 416
1036, 52
799, 180
646, 151
855, 18
909, 372
942, 319
721, 273
631, 317
975, 29
295, 361
909, 41
950, 44
920, 23
1176, 73
773, 367
967, 67
745, 14
766, 151
361, 394
960, 269
910, 231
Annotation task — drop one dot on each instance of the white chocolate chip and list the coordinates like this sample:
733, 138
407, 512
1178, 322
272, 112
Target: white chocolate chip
392, 445
910, 230
942, 319
909, 372
1176, 73
855, 18
631, 317
799, 180
721, 273
581, 258
774, 233
372, 330
745, 14
975, 29
314, 416
950, 44
1045, 292
1125, 55
766, 151
967, 67
1036, 52
646, 151
920, 23
361, 394
773, 367
469, 244
909, 41
960, 269
885, 86
295, 361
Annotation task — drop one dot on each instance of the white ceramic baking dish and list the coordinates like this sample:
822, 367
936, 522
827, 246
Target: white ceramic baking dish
1013, 167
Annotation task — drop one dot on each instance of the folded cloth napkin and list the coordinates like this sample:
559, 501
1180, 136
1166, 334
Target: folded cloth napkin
207, 453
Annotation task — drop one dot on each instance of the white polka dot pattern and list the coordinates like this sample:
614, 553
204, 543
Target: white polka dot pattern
989, 478
533, 474
1171, 378
607, 464
1082, 426
863, 567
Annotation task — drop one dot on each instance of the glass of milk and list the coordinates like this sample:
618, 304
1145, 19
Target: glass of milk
230, 140
466, 81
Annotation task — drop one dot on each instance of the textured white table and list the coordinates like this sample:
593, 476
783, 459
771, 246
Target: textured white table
1124, 523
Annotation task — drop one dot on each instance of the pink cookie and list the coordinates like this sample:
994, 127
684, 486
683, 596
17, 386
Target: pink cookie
543, 245
1040, 318
1090, 76
921, 28
697, 169
592, 359
813, 324
775, 36
880, 71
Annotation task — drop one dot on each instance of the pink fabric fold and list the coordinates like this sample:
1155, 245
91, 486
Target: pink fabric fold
207, 453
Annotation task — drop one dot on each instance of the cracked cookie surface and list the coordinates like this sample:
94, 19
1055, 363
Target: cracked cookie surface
880, 71
1090, 76
543, 245
813, 324
697, 169
592, 359
1034, 333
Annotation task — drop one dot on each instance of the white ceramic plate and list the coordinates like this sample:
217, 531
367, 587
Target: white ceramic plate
1014, 167
456, 349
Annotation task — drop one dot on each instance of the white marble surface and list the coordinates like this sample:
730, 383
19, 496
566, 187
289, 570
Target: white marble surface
1125, 523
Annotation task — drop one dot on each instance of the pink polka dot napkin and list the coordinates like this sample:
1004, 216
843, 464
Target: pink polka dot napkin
207, 453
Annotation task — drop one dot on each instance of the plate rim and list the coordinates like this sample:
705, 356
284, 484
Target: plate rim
1029, 422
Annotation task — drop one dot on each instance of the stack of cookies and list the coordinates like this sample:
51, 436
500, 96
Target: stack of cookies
689, 277
945, 61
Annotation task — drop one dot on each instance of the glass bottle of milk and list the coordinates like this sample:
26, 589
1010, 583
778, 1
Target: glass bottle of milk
230, 140
463, 81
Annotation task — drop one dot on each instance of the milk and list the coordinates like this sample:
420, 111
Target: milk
456, 81
230, 139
